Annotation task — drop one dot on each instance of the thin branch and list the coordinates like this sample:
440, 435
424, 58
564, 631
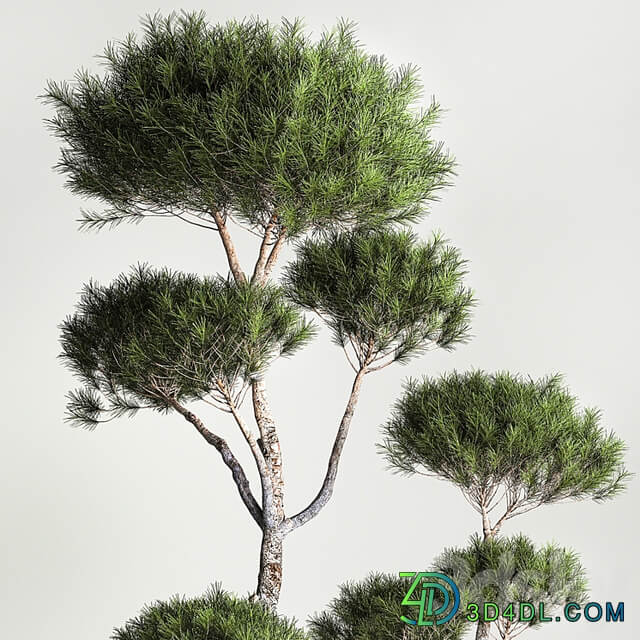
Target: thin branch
380, 366
346, 353
507, 514
261, 460
246, 432
328, 484
263, 253
275, 253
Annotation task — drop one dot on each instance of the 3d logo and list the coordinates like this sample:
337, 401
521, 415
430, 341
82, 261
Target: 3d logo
437, 596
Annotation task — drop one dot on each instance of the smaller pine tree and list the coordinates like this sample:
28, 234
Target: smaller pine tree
510, 444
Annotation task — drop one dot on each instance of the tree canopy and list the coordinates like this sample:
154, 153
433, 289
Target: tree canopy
371, 609
252, 120
217, 615
152, 336
385, 293
490, 432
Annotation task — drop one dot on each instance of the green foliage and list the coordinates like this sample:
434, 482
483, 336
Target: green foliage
383, 290
484, 431
371, 610
512, 570
153, 335
250, 119
215, 616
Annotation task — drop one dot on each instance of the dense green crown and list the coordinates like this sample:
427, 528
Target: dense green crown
252, 120
479, 430
385, 289
153, 335
371, 610
513, 570
215, 616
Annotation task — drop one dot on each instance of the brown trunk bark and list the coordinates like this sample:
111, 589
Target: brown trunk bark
270, 574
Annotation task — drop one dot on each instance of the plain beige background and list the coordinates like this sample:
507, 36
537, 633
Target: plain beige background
542, 114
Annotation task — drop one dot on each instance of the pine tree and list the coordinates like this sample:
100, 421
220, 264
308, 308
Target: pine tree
318, 144
510, 444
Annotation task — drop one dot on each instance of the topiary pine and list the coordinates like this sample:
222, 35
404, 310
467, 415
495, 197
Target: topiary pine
154, 338
217, 615
510, 571
504, 440
255, 124
384, 294
371, 610
252, 120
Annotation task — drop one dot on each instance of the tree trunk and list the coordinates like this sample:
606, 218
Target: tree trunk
270, 445
270, 575
482, 630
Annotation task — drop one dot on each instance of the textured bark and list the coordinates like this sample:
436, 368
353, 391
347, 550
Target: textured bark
270, 446
229, 459
326, 490
270, 574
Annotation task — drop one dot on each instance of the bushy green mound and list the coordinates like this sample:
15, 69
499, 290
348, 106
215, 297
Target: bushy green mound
250, 118
387, 293
483, 431
371, 610
155, 335
509, 571
217, 615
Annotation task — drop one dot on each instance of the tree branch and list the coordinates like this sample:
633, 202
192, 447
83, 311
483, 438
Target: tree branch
232, 256
260, 460
326, 490
275, 254
229, 459
263, 253
505, 516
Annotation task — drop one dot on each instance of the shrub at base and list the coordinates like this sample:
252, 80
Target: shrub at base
371, 610
217, 615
